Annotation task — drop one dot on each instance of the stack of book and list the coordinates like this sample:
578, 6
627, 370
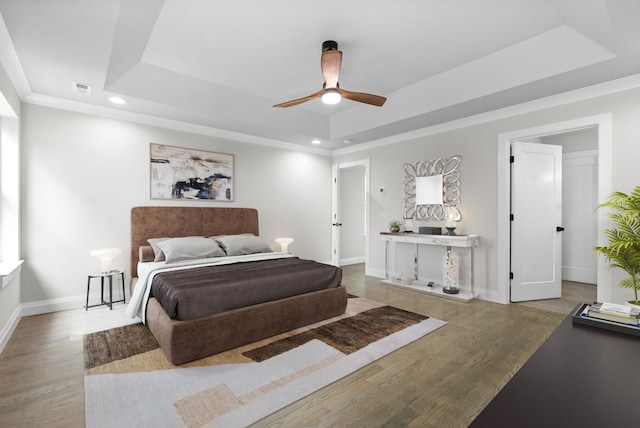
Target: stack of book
622, 314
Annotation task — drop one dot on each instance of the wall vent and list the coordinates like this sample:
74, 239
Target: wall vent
81, 88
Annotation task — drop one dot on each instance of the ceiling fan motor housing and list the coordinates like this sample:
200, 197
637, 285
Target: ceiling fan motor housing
329, 45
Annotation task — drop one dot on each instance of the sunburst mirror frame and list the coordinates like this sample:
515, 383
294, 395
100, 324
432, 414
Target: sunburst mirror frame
448, 168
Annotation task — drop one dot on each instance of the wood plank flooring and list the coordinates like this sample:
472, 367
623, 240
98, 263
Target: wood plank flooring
442, 380
572, 294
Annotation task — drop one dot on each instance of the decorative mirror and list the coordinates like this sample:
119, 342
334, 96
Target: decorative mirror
432, 189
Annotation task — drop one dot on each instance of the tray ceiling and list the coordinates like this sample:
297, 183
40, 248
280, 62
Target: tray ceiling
221, 65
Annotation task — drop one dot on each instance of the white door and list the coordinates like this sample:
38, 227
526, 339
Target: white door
536, 228
335, 216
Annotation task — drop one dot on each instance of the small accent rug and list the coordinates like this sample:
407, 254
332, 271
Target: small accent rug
129, 383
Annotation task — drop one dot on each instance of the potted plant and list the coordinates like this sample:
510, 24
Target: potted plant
623, 251
394, 226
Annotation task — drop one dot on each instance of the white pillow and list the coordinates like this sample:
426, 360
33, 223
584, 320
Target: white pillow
237, 245
192, 247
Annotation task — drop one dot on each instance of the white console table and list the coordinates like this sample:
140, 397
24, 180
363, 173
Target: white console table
463, 241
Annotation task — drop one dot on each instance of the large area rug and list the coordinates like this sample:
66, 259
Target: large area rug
129, 383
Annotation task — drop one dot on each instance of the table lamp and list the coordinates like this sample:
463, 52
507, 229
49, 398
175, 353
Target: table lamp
106, 255
284, 243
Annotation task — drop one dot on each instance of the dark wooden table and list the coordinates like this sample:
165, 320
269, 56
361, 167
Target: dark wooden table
582, 376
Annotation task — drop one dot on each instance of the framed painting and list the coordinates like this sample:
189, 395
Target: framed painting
188, 174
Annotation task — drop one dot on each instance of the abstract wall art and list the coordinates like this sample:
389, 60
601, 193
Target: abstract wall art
188, 174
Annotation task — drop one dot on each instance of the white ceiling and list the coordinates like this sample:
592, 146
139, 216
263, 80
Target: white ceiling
223, 64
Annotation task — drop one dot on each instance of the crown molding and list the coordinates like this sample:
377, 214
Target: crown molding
602, 89
79, 107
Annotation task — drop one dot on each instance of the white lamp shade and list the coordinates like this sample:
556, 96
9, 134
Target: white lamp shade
106, 255
450, 219
284, 243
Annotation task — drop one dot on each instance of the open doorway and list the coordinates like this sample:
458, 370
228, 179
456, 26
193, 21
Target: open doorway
577, 262
352, 209
579, 202
350, 238
602, 126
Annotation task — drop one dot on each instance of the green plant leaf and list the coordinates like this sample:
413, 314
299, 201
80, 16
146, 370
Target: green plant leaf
623, 249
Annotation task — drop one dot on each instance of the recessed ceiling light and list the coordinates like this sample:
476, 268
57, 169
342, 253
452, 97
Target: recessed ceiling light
315, 142
117, 100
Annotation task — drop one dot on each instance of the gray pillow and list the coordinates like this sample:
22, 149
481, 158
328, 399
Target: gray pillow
159, 255
192, 247
237, 245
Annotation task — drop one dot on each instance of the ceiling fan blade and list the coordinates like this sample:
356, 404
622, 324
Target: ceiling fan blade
301, 100
361, 97
330, 65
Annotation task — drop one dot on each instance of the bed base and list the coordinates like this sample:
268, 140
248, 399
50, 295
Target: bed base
184, 341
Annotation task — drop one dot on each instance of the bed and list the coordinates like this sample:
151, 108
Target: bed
184, 340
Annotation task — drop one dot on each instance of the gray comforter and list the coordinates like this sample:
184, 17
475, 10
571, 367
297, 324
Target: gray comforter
199, 292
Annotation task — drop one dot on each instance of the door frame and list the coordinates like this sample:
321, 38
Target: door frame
603, 123
335, 240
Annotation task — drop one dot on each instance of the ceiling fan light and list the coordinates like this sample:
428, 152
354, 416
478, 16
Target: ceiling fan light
331, 96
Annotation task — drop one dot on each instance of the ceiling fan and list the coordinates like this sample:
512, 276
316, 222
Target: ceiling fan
331, 93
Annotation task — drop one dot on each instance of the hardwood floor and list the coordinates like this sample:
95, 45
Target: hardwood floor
42, 367
572, 294
442, 380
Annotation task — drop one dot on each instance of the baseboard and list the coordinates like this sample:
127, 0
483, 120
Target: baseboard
490, 296
376, 273
9, 328
37, 308
588, 276
352, 261
52, 305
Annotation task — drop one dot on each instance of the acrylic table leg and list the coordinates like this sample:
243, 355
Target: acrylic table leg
472, 272
86, 307
110, 292
415, 262
124, 299
386, 259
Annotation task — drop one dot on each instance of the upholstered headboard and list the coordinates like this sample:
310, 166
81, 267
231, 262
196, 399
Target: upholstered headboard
172, 222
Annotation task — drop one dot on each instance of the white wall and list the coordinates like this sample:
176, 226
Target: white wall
478, 201
82, 174
585, 139
477, 146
